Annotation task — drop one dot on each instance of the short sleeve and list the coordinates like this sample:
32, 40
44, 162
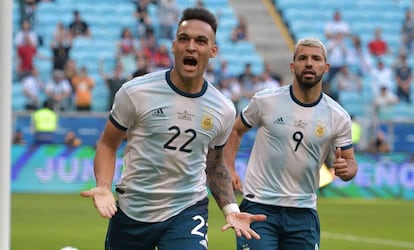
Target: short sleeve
123, 110
250, 114
344, 132
226, 127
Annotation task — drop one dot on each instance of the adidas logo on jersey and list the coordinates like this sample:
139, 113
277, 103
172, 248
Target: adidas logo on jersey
159, 112
279, 121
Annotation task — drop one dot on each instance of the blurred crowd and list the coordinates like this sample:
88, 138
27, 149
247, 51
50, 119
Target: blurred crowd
356, 67
139, 50
370, 70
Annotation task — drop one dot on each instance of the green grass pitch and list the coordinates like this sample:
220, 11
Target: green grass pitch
52, 221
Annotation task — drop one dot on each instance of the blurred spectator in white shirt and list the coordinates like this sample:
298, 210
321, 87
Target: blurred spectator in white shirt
266, 82
59, 91
26, 31
381, 75
32, 90
336, 25
346, 80
384, 99
337, 53
358, 57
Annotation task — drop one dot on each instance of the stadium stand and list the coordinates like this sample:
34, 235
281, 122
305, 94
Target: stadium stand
308, 18
106, 20
303, 18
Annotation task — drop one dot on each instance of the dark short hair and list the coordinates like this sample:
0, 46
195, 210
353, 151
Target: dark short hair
199, 13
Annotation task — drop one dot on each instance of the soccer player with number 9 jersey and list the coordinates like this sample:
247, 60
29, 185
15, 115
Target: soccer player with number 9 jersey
299, 127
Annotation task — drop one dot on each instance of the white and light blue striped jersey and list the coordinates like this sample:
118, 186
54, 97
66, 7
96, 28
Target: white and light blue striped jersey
168, 136
292, 141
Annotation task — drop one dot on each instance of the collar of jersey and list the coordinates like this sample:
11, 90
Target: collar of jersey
303, 104
173, 87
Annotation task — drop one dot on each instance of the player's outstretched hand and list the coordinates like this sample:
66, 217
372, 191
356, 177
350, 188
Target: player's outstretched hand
103, 200
240, 222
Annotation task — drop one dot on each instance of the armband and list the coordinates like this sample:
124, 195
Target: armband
230, 208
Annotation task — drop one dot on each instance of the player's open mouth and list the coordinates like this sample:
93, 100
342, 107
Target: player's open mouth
191, 61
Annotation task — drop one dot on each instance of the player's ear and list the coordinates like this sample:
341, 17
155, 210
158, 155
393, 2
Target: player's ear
327, 67
214, 51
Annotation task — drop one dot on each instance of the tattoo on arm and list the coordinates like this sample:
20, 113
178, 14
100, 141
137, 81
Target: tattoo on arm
219, 179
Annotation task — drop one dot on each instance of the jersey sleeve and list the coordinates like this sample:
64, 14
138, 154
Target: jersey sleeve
226, 127
250, 114
123, 110
344, 134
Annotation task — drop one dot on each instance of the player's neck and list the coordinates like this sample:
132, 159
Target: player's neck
187, 84
307, 95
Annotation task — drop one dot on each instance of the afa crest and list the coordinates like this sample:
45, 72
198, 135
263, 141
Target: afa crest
207, 122
320, 130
